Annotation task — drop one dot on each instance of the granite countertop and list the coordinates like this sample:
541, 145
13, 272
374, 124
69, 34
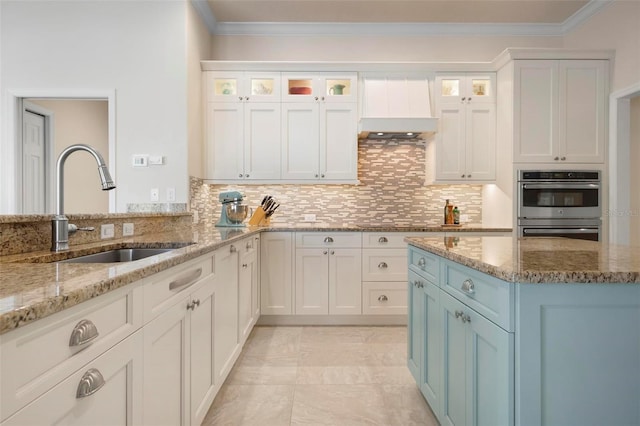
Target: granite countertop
31, 287
539, 260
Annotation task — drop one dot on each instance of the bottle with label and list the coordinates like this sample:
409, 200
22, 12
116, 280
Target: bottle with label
448, 213
456, 215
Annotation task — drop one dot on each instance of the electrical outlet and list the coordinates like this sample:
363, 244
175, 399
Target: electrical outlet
171, 194
309, 218
155, 194
196, 216
127, 229
107, 231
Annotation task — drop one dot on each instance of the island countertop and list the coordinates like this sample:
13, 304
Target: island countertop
538, 260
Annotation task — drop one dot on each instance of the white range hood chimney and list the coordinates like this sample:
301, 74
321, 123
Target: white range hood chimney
396, 107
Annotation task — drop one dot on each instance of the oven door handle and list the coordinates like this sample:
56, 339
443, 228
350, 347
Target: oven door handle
560, 186
560, 231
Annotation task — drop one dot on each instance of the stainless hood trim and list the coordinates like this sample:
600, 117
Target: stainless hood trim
420, 126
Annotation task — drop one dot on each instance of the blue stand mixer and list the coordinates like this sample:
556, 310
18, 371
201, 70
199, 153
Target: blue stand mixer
233, 212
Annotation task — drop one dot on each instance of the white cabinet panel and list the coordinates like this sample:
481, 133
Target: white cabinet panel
345, 281
300, 140
276, 273
312, 281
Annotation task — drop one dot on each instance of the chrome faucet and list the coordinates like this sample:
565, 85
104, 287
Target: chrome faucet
60, 227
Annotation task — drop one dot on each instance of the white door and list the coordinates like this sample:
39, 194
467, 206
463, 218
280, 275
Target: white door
262, 155
451, 145
480, 141
300, 141
34, 163
276, 257
345, 281
225, 146
339, 141
312, 281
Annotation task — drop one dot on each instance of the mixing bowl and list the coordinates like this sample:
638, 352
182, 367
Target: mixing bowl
236, 213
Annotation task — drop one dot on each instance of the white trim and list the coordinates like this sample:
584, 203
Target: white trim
397, 29
14, 113
619, 163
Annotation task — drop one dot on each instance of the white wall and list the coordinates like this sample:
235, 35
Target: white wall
617, 26
135, 47
635, 172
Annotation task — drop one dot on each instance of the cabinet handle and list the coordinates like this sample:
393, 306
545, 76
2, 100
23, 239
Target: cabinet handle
468, 287
333, 252
415, 283
459, 314
316, 98
185, 280
563, 158
249, 246
383, 240
90, 383
191, 305
468, 176
462, 176
383, 298
232, 249
322, 175
556, 158
246, 98
468, 100
325, 252
84, 332
421, 262
240, 175
317, 176
382, 265
244, 265
463, 99
328, 240
247, 176
240, 98
466, 319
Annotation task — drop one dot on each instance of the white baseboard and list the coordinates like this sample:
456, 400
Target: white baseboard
332, 320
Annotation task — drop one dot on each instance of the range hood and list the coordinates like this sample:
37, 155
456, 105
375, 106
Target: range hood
396, 108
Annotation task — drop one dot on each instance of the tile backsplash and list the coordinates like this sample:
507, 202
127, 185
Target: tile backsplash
392, 190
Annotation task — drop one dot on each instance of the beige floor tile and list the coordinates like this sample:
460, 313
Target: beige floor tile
338, 405
247, 405
346, 375
384, 334
354, 354
405, 405
262, 375
334, 335
272, 346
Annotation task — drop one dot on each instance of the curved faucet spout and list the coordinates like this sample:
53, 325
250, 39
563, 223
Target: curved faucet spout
60, 224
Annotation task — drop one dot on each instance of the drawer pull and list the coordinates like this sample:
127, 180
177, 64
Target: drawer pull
249, 245
232, 249
84, 332
383, 240
382, 265
244, 265
459, 314
466, 318
418, 284
421, 262
383, 298
328, 240
193, 305
185, 280
468, 287
90, 383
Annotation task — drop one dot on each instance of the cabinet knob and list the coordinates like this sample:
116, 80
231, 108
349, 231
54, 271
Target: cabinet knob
246, 98
383, 298
333, 252
240, 175
246, 175
317, 175
248, 246
382, 265
463, 99
328, 240
322, 175
316, 98
324, 252
462, 176
468, 100
421, 262
466, 318
84, 332
459, 314
244, 265
90, 383
556, 158
232, 249
563, 158
383, 240
468, 176
468, 287
239, 97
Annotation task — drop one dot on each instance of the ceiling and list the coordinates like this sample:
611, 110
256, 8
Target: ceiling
389, 17
397, 11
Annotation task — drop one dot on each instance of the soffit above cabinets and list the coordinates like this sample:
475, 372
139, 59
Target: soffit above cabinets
400, 17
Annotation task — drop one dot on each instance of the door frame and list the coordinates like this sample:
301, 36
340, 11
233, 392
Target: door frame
619, 206
11, 200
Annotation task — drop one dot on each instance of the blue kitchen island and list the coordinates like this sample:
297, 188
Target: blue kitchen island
540, 331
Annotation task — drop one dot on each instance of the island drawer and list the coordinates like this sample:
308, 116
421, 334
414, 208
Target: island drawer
384, 265
165, 288
328, 239
36, 357
384, 298
487, 295
424, 264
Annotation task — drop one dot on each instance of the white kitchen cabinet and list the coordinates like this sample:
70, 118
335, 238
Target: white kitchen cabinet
328, 278
276, 273
466, 139
106, 391
242, 86
227, 347
179, 378
330, 87
248, 287
560, 111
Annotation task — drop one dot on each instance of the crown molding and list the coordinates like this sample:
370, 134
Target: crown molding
395, 29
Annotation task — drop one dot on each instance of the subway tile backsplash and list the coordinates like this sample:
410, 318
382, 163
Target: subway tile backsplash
392, 190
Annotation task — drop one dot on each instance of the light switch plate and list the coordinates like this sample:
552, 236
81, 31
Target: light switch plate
127, 229
107, 231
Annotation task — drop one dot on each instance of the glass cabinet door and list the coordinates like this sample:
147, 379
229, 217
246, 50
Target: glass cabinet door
231, 86
325, 87
300, 87
262, 87
339, 87
465, 88
481, 88
224, 87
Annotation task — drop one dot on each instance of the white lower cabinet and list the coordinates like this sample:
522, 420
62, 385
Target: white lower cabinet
179, 381
107, 391
276, 273
248, 288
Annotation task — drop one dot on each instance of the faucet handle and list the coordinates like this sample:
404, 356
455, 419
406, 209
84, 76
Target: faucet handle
73, 228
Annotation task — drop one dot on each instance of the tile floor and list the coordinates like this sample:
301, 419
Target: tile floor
321, 376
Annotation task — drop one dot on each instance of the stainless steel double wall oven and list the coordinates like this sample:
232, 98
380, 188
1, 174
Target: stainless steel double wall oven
560, 203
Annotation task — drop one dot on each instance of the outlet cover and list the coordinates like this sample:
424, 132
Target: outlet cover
127, 229
155, 194
309, 218
107, 231
171, 194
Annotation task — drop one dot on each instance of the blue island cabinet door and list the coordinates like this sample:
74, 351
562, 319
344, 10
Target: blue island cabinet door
453, 401
415, 325
431, 347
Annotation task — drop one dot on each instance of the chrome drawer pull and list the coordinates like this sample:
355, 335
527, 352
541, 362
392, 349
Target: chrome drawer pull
459, 314
382, 265
421, 262
466, 318
383, 298
249, 245
383, 240
90, 383
232, 249
468, 287
84, 332
187, 279
328, 240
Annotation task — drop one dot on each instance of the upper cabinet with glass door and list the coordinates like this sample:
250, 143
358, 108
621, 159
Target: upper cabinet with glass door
325, 87
466, 88
232, 86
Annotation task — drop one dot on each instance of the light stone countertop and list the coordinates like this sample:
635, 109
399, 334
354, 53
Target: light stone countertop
32, 287
539, 260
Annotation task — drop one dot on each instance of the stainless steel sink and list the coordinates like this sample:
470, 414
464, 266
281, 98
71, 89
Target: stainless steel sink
118, 255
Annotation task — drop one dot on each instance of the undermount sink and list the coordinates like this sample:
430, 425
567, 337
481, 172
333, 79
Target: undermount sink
118, 255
